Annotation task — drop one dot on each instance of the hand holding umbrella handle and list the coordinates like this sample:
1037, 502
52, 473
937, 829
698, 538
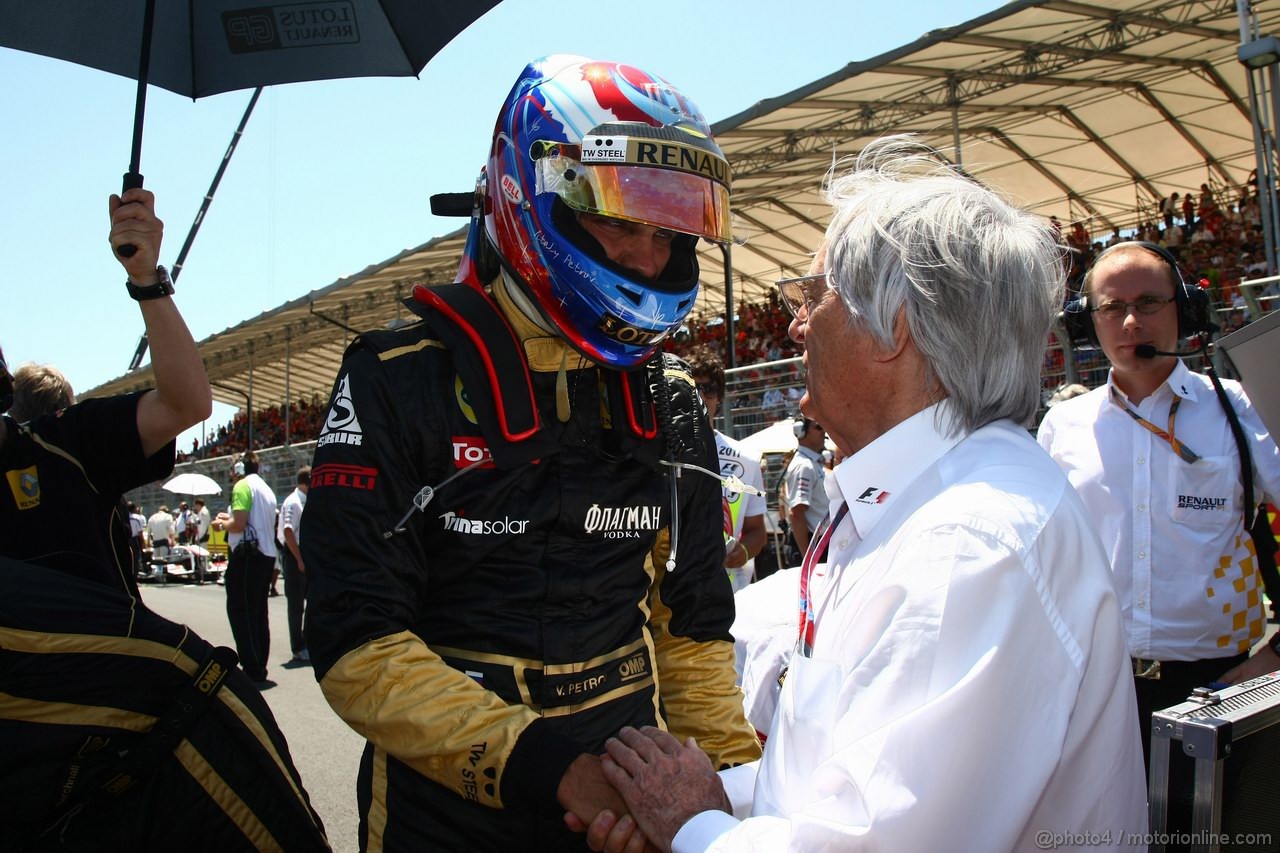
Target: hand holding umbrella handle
132, 180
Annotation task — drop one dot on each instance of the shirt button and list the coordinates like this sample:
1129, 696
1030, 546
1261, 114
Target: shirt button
1141, 460
844, 543
1142, 555
1142, 507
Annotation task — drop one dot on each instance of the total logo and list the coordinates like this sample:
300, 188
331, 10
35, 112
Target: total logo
622, 522
470, 449
480, 527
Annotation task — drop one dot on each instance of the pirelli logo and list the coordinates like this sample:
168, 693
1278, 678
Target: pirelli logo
333, 474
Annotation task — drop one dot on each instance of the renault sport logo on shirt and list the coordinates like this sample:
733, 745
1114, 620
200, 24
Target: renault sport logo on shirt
1204, 504
622, 522
482, 527
872, 495
25, 485
341, 426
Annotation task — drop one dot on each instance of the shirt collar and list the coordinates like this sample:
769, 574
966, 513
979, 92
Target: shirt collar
1179, 382
807, 453
881, 471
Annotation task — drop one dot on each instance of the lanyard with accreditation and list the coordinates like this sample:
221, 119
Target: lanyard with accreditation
817, 553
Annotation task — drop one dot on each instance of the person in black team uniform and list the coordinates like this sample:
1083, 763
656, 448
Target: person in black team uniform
60, 505
121, 730
513, 536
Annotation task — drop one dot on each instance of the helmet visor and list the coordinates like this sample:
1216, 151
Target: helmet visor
684, 188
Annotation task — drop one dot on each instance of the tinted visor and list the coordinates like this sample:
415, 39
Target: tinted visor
678, 187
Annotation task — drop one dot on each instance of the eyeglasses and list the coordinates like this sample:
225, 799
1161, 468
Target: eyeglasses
800, 293
708, 389
1117, 310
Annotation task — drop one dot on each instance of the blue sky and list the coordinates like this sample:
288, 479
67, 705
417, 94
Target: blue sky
332, 176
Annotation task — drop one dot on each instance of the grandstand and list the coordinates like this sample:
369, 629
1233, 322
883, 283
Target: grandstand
1091, 114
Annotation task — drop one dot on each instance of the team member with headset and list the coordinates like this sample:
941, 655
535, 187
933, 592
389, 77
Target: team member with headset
1153, 454
805, 480
513, 534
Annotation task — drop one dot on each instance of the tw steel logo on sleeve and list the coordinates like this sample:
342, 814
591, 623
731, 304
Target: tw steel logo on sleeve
344, 477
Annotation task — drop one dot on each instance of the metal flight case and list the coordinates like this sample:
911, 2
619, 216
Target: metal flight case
1229, 801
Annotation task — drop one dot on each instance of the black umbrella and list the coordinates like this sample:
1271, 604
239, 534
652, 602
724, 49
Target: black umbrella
204, 47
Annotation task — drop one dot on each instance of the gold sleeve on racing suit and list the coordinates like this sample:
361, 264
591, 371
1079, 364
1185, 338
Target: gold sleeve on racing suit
697, 684
402, 697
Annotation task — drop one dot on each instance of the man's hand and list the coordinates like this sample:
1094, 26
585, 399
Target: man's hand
133, 221
664, 785
1265, 661
737, 558
585, 793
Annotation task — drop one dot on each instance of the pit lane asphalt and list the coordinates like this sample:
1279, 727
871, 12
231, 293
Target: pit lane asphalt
324, 749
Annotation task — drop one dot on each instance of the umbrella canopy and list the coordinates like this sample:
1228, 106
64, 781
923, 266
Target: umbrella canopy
203, 47
192, 483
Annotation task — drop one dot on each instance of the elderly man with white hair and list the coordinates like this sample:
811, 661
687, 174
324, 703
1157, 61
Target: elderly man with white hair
961, 680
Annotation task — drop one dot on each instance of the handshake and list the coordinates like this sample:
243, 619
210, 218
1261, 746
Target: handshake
638, 794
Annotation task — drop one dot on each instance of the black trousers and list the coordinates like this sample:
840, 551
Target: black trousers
247, 580
295, 593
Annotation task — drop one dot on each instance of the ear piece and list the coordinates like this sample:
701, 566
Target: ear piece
799, 427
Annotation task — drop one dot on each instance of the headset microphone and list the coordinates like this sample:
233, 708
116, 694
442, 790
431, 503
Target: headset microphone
1148, 351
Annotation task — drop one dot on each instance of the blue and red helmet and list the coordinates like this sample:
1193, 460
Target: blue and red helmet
578, 136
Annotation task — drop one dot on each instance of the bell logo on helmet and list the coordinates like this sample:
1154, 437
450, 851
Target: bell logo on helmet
511, 189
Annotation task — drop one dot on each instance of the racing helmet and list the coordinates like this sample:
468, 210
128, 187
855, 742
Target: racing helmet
579, 136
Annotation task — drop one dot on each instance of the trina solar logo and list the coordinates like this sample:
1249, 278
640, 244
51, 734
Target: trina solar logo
482, 527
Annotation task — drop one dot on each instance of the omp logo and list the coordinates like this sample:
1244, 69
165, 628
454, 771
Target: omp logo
341, 426
622, 522
634, 667
873, 496
478, 527
344, 477
1203, 504
293, 25
210, 677
470, 449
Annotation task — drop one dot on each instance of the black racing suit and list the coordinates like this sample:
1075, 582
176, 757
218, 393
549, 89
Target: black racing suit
516, 622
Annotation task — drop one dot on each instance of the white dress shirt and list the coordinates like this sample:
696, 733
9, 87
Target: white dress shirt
1183, 563
969, 687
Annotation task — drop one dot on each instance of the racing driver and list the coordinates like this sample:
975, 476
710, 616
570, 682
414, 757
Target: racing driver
513, 533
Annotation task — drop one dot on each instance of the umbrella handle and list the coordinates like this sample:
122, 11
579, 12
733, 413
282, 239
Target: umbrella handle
132, 181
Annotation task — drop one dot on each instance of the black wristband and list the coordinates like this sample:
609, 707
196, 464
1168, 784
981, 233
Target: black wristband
162, 288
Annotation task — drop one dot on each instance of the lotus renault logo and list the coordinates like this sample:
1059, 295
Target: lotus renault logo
290, 25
